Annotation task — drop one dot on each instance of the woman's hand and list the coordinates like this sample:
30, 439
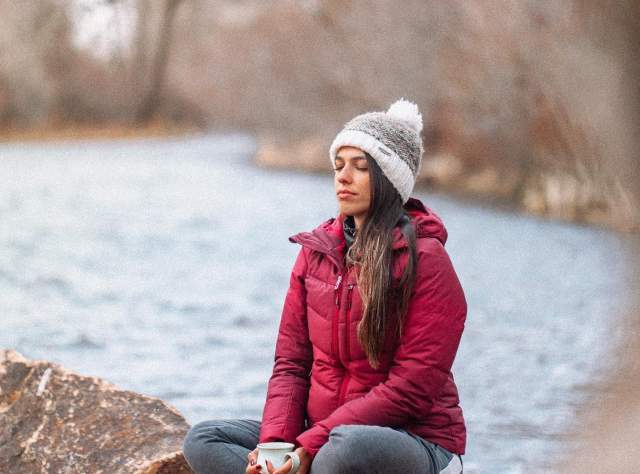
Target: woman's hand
305, 464
253, 467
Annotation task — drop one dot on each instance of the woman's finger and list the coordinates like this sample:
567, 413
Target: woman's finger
252, 456
284, 469
270, 467
253, 469
303, 469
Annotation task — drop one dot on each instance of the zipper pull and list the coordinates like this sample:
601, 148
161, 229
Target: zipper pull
349, 296
335, 288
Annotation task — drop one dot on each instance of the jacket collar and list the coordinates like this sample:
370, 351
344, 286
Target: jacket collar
349, 230
328, 237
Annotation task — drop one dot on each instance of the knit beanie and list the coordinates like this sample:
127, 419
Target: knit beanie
392, 138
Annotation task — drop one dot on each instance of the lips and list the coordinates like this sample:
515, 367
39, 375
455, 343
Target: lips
345, 193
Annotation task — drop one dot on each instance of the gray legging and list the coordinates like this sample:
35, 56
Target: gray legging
221, 446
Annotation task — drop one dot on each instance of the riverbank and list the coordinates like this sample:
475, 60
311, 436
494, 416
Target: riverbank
556, 196
112, 131
559, 195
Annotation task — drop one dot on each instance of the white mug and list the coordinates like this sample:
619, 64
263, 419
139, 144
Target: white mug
277, 453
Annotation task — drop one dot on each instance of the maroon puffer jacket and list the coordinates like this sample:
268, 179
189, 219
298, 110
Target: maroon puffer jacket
321, 376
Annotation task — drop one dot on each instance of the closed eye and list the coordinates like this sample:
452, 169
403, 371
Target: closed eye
338, 168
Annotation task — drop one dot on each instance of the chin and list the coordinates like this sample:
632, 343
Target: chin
350, 210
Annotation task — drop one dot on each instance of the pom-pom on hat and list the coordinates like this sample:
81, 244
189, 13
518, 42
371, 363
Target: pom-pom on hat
392, 138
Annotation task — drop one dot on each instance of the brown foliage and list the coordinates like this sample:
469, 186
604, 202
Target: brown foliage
523, 101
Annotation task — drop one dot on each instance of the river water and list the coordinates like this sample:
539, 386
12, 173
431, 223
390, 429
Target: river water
161, 265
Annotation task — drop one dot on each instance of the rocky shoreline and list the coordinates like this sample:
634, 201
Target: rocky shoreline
552, 194
53, 420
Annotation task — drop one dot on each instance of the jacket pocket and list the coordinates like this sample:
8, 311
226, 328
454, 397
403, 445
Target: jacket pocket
319, 297
319, 306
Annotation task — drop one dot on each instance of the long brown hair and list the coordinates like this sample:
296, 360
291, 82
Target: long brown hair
383, 305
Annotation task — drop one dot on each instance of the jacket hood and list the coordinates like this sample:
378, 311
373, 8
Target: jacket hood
328, 237
427, 223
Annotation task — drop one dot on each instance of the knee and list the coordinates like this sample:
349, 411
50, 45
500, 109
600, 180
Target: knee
196, 434
198, 437
346, 438
192, 441
344, 452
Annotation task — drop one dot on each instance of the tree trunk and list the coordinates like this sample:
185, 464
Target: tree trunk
152, 95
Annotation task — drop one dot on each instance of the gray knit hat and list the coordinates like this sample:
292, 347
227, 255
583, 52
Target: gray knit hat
392, 138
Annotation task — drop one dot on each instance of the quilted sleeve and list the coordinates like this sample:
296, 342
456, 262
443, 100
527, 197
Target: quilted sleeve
285, 408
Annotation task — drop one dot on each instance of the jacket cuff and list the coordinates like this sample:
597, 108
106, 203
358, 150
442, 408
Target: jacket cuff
313, 439
270, 439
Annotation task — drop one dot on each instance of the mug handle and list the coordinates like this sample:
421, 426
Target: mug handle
295, 461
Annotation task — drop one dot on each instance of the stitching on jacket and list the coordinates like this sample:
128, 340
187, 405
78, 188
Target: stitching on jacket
311, 275
286, 418
306, 264
312, 307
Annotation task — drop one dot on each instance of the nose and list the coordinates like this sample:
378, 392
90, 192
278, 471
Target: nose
343, 176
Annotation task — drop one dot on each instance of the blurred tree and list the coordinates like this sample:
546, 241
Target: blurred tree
35, 43
156, 59
503, 85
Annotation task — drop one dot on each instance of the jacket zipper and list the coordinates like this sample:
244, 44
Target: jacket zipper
335, 288
348, 322
336, 319
343, 388
345, 380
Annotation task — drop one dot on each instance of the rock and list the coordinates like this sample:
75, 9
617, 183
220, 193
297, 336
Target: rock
309, 153
53, 420
441, 168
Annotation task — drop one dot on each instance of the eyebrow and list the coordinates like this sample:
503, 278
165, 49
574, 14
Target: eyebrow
352, 159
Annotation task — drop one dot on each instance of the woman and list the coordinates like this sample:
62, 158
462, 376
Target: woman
369, 330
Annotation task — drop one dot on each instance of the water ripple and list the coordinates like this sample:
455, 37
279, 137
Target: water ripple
171, 257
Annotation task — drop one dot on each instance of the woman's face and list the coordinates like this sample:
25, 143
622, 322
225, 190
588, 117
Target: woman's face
351, 181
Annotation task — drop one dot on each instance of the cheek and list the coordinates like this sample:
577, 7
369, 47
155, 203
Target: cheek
364, 186
366, 198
